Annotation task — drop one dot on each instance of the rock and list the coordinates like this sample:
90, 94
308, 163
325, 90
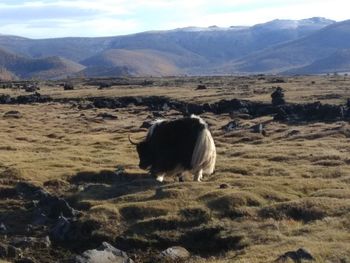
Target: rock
39, 218
30, 191
105, 115
68, 86
5, 99
348, 103
32, 98
13, 114
277, 80
104, 85
224, 186
232, 125
3, 229
201, 87
74, 233
106, 253
31, 88
278, 97
55, 206
50, 205
61, 229
296, 256
174, 253
292, 133
119, 170
258, 128
85, 105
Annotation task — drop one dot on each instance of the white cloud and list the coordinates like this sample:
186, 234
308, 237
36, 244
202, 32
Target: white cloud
50, 18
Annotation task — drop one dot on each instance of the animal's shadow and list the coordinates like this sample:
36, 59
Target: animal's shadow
107, 184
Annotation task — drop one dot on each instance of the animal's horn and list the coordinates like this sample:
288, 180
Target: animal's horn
133, 143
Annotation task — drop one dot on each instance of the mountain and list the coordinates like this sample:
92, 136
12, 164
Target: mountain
131, 62
278, 46
15, 65
298, 53
212, 43
6, 75
338, 61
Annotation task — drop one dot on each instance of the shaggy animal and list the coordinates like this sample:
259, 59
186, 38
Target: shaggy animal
173, 147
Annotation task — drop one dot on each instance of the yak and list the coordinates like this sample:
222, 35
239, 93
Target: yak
172, 147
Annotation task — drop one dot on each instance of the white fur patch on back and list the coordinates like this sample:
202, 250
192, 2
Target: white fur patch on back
200, 119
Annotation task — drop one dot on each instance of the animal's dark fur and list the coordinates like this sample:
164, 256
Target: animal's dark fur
171, 143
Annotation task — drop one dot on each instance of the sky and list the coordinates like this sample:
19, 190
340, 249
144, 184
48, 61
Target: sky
94, 18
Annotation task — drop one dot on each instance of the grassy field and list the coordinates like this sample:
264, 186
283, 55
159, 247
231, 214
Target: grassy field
269, 195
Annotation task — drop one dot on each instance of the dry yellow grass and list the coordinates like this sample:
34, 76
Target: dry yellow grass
284, 191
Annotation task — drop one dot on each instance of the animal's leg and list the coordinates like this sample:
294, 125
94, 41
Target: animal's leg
198, 175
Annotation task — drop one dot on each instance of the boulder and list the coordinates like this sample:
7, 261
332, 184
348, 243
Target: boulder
232, 125
61, 229
201, 87
174, 253
278, 97
68, 86
106, 253
258, 128
297, 256
5, 99
13, 114
3, 229
108, 116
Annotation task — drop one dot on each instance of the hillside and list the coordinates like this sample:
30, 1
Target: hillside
49, 68
278, 46
337, 61
138, 62
298, 53
6, 75
43, 68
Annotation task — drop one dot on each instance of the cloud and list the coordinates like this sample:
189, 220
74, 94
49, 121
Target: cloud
50, 18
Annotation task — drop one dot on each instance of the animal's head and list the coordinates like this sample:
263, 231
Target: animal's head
144, 153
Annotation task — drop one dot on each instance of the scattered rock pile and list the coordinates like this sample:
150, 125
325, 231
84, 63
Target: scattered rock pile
282, 111
278, 97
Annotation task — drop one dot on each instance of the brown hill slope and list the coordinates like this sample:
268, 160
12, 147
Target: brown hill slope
132, 62
6, 75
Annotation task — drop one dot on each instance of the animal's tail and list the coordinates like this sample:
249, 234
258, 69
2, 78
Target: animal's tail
204, 153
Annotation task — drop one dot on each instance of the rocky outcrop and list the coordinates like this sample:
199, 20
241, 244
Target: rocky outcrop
282, 111
106, 253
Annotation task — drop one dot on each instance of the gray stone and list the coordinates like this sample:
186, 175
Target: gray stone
258, 128
13, 114
3, 229
297, 256
174, 253
106, 253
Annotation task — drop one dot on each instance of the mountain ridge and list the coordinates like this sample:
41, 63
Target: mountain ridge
277, 46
